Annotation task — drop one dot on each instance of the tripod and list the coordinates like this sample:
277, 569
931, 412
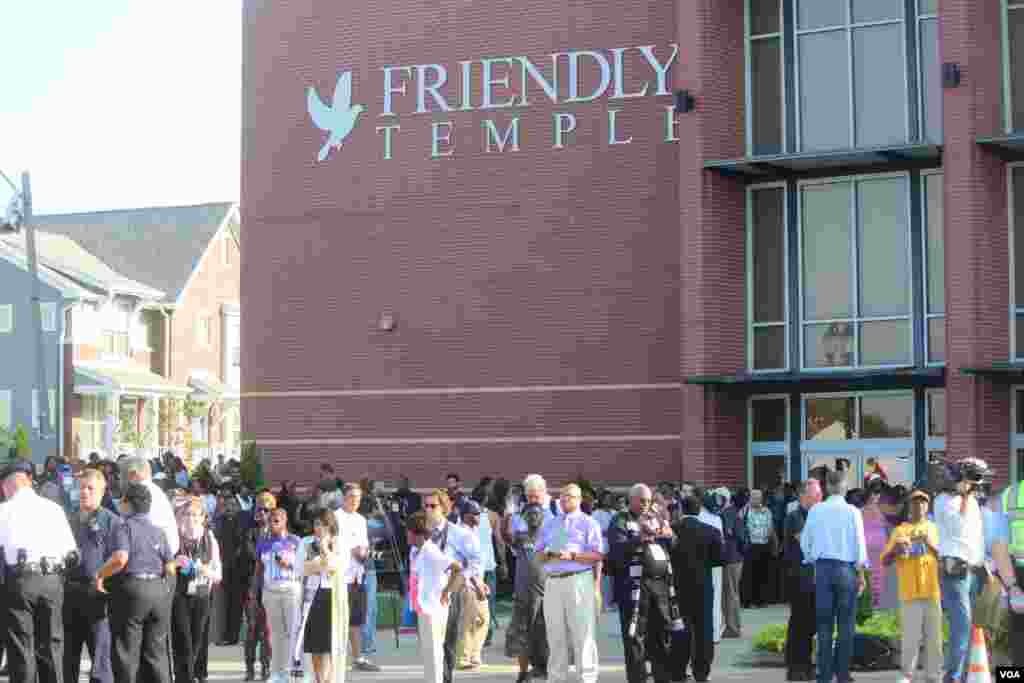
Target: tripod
396, 553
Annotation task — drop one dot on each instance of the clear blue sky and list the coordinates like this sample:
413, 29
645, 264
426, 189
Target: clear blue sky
121, 103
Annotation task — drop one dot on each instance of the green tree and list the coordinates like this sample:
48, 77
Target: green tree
20, 448
251, 465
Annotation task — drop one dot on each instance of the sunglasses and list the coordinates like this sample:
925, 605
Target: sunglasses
431, 506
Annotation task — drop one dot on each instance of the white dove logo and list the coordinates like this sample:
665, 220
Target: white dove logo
339, 119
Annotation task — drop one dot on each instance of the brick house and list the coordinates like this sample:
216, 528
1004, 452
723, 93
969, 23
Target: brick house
188, 333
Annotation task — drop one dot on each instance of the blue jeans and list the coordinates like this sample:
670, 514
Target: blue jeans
835, 599
491, 579
369, 629
957, 601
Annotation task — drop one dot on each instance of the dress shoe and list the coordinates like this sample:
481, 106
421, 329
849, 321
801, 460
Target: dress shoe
729, 633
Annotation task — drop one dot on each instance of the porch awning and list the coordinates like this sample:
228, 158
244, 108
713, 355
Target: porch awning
769, 166
206, 388
124, 379
751, 383
997, 372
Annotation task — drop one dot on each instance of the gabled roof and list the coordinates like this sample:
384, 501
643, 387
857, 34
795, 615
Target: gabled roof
160, 246
68, 288
64, 255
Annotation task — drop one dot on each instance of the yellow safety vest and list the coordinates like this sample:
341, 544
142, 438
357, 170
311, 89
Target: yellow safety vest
1015, 515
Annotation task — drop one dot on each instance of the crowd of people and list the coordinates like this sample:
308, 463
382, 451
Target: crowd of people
145, 564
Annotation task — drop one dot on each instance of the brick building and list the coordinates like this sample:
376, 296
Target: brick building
530, 250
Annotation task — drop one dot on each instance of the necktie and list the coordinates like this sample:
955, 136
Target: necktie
435, 535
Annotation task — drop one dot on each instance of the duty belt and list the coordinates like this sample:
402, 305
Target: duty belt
563, 575
35, 568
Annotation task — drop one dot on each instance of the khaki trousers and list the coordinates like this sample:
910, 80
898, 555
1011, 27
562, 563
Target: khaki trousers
922, 619
432, 629
476, 619
731, 574
570, 606
282, 606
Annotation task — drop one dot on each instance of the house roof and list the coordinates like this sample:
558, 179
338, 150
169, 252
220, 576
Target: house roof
125, 378
64, 255
68, 288
160, 246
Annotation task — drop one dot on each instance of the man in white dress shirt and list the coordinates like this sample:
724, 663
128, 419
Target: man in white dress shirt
161, 514
36, 539
833, 541
435, 577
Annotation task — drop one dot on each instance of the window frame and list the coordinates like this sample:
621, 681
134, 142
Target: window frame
1006, 6
9, 308
48, 313
921, 17
785, 324
758, 449
87, 422
1015, 308
1016, 438
854, 320
848, 28
858, 415
928, 317
934, 443
7, 398
749, 81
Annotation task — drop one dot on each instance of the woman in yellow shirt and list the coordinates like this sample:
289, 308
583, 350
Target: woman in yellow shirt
913, 546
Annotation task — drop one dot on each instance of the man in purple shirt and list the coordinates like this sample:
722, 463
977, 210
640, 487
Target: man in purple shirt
571, 545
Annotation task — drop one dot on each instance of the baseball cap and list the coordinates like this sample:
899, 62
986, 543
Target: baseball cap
470, 507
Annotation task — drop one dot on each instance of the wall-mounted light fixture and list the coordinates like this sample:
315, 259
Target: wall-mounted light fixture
950, 75
685, 102
387, 322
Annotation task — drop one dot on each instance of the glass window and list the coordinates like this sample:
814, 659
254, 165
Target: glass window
768, 419
827, 245
766, 95
885, 342
829, 419
937, 340
91, 422
820, 13
764, 17
6, 318
833, 48
884, 259
875, 330
769, 471
1019, 413
876, 10
879, 90
5, 409
769, 247
936, 413
935, 253
931, 81
1015, 34
1019, 463
824, 91
1017, 190
889, 416
770, 347
928, 6
828, 345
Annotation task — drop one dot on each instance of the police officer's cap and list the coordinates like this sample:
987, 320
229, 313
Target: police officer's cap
139, 497
22, 466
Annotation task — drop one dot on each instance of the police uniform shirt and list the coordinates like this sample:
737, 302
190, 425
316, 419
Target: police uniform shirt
36, 525
145, 544
94, 535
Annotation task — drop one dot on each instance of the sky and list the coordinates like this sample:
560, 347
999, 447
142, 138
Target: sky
121, 103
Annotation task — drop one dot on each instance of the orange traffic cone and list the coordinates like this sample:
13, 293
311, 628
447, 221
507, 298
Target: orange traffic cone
977, 660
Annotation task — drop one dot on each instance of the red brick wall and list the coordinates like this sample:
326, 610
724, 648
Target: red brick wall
713, 329
976, 229
213, 285
536, 267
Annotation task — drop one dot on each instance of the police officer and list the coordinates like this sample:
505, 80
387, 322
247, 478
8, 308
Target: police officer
1008, 554
140, 597
638, 544
35, 540
85, 610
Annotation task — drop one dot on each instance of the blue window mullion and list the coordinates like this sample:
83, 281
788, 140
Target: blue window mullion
918, 280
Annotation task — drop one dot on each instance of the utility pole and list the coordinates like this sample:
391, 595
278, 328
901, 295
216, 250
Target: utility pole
37, 316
